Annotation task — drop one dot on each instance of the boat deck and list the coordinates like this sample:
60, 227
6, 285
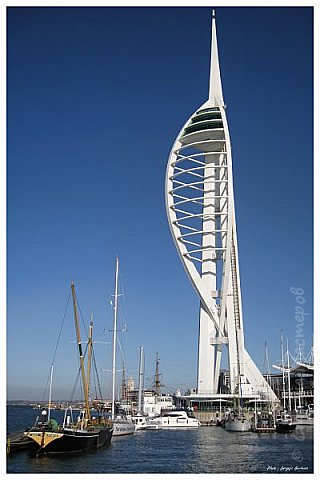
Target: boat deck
264, 429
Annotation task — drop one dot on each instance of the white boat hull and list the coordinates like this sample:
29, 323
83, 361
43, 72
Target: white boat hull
123, 427
150, 426
177, 427
140, 422
177, 423
173, 419
237, 425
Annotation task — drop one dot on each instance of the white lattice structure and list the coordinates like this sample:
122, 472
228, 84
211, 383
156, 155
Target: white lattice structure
200, 209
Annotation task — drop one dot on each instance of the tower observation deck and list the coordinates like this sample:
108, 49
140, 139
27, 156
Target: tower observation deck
201, 215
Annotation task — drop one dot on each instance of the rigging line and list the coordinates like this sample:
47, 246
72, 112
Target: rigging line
95, 373
75, 385
122, 308
78, 374
122, 305
97, 376
82, 318
94, 377
121, 350
57, 344
60, 333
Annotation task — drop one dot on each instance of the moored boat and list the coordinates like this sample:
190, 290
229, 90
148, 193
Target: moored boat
83, 434
284, 423
121, 424
237, 423
176, 419
140, 421
304, 416
51, 438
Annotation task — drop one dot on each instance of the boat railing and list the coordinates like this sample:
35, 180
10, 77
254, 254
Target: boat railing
68, 419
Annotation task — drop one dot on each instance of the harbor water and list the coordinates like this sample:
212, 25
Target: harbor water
202, 450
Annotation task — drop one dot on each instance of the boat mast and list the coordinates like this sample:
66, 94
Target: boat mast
239, 395
141, 376
267, 365
289, 386
83, 374
115, 313
123, 383
89, 355
50, 393
157, 382
283, 380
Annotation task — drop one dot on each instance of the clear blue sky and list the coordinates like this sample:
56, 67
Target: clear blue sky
96, 97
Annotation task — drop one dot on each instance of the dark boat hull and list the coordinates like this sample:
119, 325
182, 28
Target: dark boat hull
70, 441
285, 427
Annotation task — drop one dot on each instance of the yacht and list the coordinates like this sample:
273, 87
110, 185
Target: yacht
144, 422
176, 419
139, 421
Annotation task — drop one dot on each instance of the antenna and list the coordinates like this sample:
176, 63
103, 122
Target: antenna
215, 87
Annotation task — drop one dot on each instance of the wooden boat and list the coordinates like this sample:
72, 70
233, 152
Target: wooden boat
87, 432
55, 439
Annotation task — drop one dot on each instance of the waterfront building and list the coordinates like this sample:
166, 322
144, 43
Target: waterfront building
153, 403
294, 386
201, 215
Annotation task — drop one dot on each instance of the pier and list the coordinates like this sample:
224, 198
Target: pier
17, 441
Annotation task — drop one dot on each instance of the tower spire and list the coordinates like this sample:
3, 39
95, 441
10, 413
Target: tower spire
203, 225
215, 87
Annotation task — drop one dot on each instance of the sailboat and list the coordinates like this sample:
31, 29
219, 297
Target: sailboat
121, 424
87, 432
141, 420
236, 421
284, 421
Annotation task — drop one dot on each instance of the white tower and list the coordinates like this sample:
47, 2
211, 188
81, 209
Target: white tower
200, 209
